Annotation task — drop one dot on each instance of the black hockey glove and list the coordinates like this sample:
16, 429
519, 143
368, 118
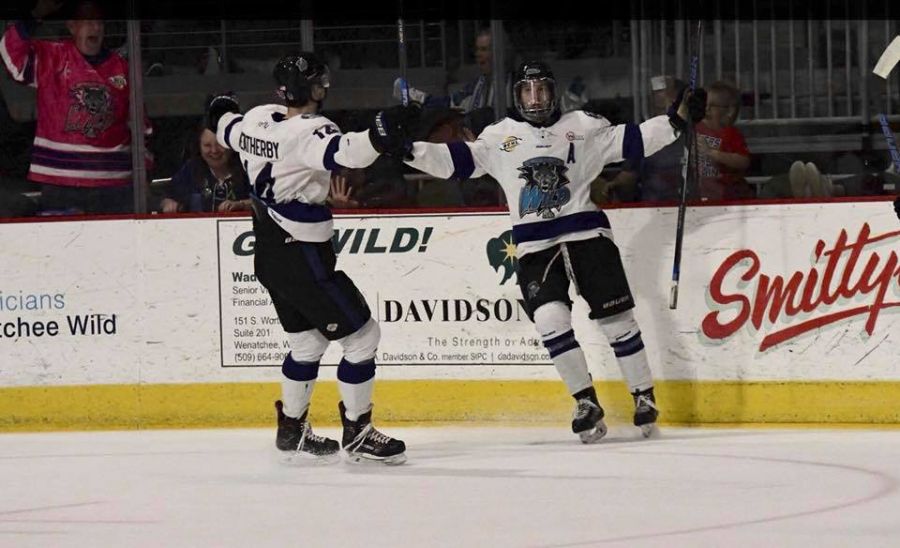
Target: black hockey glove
696, 105
218, 106
391, 130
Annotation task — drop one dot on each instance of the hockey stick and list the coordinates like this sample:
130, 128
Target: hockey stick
690, 154
401, 39
883, 68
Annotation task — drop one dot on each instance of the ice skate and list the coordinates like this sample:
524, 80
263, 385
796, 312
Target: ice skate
645, 412
363, 443
298, 444
587, 420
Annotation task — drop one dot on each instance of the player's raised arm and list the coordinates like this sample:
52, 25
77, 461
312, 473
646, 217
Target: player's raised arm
634, 142
223, 117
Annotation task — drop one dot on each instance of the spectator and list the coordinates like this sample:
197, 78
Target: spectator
13, 143
211, 180
380, 185
81, 154
340, 194
803, 180
722, 153
477, 94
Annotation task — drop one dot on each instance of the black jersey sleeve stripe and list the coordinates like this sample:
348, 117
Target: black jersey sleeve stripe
633, 146
228, 129
463, 163
330, 150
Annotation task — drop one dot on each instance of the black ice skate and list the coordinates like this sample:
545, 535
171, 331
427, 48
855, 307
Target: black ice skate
645, 411
587, 420
298, 444
363, 443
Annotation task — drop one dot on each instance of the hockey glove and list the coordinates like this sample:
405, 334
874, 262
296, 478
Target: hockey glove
897, 206
415, 95
218, 106
391, 130
696, 105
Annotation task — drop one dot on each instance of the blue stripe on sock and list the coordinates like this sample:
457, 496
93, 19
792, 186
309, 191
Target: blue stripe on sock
628, 347
570, 334
562, 349
355, 373
299, 371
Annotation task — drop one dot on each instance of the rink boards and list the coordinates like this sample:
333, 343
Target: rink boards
787, 313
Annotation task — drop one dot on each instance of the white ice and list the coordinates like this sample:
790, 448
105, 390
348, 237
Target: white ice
462, 487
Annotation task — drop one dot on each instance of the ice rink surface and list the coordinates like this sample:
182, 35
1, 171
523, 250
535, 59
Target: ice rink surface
462, 487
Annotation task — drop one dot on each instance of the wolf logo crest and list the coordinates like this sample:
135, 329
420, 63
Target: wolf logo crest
545, 186
90, 112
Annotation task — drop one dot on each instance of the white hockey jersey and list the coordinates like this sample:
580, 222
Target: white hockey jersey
289, 162
546, 173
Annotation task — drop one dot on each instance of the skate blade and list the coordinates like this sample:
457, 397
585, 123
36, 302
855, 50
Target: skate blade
367, 460
594, 435
299, 458
650, 430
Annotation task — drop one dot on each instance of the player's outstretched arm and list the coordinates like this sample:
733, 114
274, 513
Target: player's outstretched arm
634, 142
455, 160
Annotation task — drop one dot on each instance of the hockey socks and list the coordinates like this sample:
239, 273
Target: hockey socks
554, 322
355, 383
297, 386
624, 337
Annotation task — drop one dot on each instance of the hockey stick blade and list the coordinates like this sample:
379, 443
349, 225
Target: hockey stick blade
888, 59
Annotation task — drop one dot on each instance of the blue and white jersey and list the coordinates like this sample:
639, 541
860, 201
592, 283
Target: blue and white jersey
289, 162
547, 172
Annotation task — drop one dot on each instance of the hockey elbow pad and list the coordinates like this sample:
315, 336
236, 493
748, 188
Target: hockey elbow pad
218, 107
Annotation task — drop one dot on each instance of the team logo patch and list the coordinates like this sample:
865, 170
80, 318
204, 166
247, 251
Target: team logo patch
90, 110
118, 81
510, 143
501, 253
571, 136
545, 187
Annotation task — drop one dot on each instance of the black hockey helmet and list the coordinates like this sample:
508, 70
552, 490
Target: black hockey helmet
535, 79
297, 74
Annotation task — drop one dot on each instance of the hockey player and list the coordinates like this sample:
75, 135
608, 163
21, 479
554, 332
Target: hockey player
289, 152
545, 162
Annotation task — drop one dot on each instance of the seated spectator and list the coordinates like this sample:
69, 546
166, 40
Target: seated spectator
722, 152
803, 180
211, 180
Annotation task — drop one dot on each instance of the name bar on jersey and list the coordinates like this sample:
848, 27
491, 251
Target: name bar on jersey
258, 147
